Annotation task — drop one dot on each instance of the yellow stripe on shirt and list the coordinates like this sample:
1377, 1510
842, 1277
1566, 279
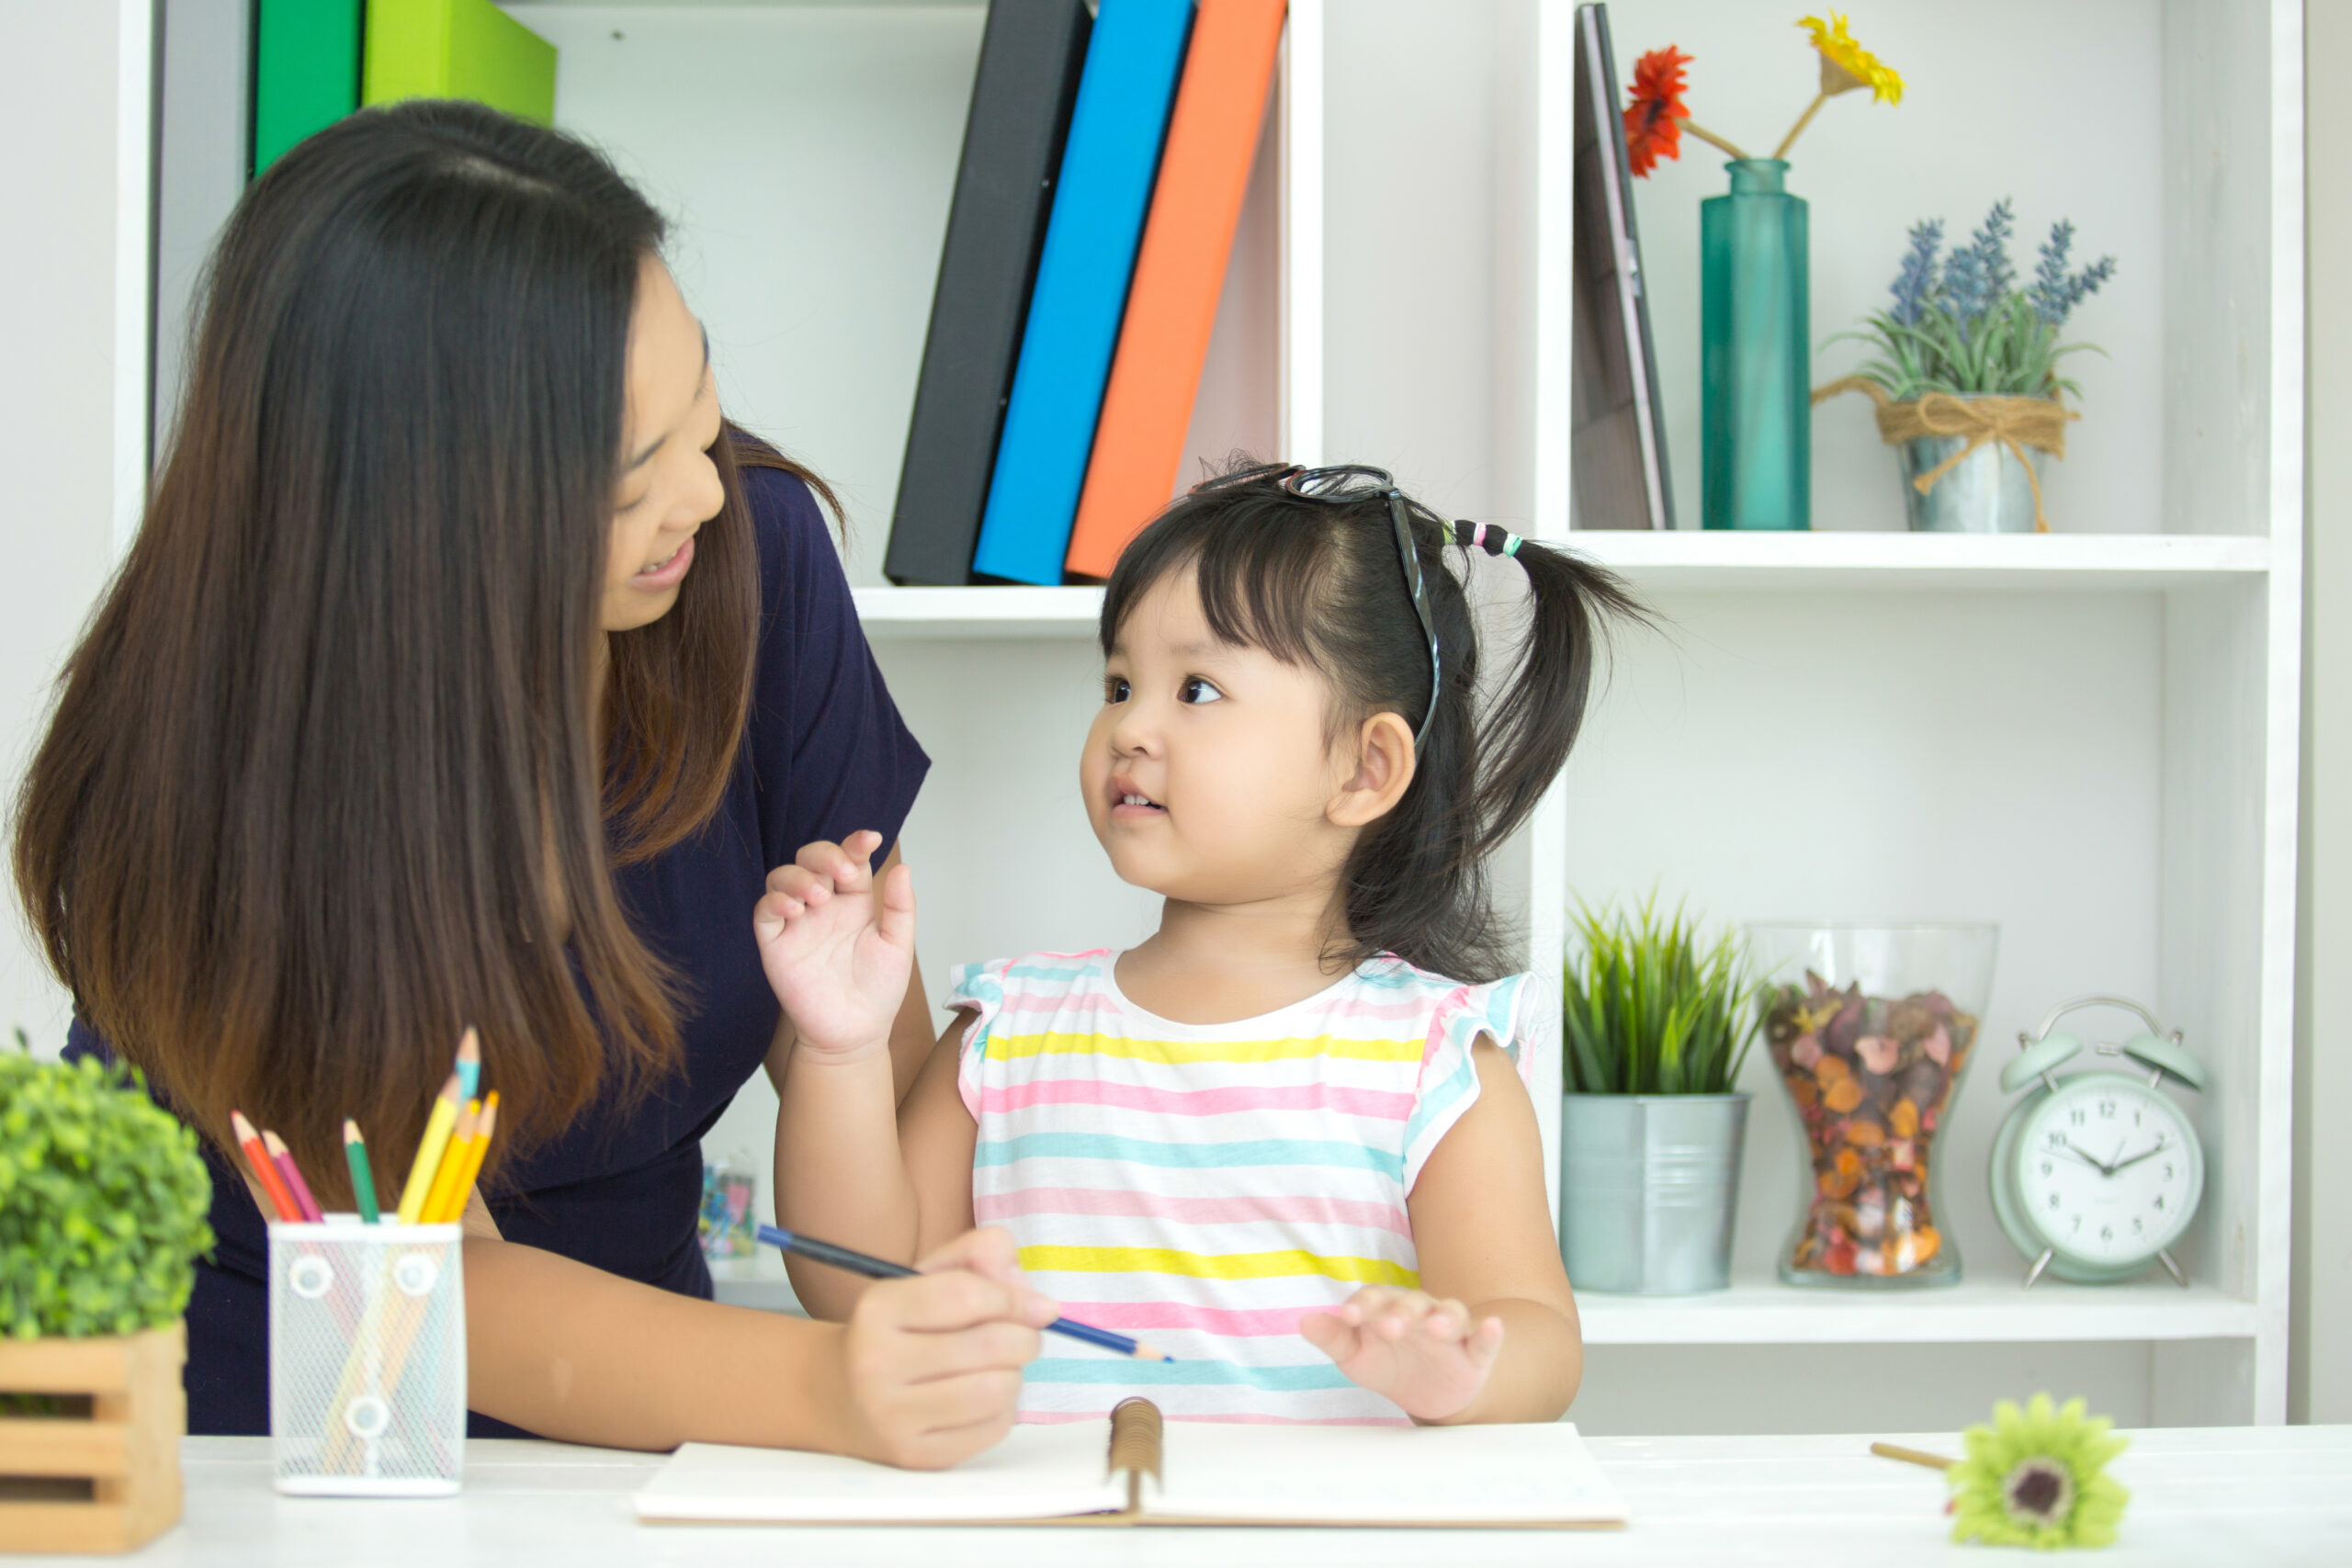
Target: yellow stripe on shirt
1214, 1266
1186, 1053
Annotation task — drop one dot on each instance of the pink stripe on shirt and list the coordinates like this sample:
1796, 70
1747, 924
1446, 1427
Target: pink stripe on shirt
1143, 1317
1306, 1209
1001, 1100
1020, 1004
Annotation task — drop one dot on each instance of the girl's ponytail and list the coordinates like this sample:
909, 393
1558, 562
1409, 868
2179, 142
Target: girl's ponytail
1526, 736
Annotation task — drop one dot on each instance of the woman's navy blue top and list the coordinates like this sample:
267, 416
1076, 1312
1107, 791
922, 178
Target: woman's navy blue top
824, 754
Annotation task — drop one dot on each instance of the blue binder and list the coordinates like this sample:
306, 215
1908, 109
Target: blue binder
1108, 167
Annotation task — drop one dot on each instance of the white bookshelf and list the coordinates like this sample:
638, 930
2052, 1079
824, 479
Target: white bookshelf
2090, 737
1759, 1310
1989, 1308
1671, 564
2130, 683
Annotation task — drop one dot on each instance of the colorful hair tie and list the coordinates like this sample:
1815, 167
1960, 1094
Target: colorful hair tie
1483, 536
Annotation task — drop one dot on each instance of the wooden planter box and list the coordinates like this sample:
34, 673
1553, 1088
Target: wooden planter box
104, 1475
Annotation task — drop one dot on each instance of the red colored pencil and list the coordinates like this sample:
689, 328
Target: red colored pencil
283, 1157
264, 1168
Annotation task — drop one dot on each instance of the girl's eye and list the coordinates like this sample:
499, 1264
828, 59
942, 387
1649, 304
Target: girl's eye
1115, 690
1197, 690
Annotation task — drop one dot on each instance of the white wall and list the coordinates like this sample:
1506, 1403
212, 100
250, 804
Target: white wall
2320, 1353
73, 398
200, 171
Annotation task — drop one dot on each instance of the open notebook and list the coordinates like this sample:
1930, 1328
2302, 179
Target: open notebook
1142, 1473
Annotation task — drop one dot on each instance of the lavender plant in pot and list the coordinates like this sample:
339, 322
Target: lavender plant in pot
1966, 375
1657, 1019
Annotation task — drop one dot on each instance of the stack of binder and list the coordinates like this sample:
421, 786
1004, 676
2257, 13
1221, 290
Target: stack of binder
316, 60
1102, 180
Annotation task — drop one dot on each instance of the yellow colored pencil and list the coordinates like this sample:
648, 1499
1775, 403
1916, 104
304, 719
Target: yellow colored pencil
455, 1207
453, 1160
427, 1164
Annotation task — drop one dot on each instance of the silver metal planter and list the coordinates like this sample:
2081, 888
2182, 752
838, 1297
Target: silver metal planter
1986, 493
1649, 1186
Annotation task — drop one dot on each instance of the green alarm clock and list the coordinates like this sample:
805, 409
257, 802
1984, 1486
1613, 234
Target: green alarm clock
2095, 1175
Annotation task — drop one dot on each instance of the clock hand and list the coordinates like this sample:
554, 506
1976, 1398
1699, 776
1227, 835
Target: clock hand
2100, 1166
2149, 1152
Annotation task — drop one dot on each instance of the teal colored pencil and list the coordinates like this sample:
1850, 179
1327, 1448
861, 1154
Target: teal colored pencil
363, 1180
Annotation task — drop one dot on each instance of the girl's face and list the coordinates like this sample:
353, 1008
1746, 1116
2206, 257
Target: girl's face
668, 486
1207, 775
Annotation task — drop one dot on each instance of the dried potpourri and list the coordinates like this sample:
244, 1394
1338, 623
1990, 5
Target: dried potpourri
1872, 1081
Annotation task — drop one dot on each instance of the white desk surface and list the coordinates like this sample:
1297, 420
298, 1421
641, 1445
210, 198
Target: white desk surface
2268, 1495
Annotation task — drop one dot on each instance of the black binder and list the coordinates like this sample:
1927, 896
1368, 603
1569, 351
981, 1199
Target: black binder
1031, 56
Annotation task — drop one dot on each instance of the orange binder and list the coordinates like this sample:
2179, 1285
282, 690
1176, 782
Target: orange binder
1180, 271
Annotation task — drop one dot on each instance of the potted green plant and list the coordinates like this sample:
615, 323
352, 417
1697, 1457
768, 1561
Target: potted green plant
1656, 1021
103, 1203
1966, 378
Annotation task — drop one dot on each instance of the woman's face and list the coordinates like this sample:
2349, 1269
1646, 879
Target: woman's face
668, 487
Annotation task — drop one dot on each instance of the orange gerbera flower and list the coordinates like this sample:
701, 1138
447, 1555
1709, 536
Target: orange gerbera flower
1653, 118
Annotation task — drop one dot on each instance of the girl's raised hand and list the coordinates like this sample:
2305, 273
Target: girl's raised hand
838, 958
1426, 1354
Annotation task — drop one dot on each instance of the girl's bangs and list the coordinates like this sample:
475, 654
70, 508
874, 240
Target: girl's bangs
1254, 561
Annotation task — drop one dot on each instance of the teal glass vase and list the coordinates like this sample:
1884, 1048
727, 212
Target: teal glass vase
1756, 422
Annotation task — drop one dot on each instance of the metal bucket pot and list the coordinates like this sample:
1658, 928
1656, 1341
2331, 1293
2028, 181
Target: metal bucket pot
1986, 493
1649, 1188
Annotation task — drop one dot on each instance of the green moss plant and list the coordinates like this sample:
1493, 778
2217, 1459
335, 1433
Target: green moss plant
103, 1202
1650, 1007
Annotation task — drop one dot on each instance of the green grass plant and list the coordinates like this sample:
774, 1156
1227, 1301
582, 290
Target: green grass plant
1650, 1005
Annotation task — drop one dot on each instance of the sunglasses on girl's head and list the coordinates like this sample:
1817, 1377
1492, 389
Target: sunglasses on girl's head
1349, 482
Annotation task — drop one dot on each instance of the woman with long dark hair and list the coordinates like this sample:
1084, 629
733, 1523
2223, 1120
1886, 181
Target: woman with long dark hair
468, 668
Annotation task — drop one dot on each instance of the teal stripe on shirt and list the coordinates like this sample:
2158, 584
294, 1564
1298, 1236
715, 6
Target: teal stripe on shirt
1048, 970
1299, 1379
1436, 1099
1194, 1156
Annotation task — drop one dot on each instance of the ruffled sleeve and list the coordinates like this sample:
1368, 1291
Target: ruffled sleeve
1449, 1081
977, 989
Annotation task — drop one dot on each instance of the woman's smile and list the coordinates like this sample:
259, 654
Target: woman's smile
670, 570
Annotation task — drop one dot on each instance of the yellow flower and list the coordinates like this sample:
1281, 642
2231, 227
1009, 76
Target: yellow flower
1846, 65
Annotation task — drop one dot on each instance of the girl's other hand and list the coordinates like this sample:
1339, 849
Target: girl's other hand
1427, 1355
931, 1366
837, 957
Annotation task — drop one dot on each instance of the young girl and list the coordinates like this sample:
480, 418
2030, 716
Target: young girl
1283, 1139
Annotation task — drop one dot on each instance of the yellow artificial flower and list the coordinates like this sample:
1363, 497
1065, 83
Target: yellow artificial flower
1846, 64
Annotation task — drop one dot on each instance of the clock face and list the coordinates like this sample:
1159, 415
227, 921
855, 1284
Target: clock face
2108, 1169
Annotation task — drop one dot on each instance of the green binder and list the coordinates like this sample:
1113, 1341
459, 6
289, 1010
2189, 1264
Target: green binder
306, 70
457, 48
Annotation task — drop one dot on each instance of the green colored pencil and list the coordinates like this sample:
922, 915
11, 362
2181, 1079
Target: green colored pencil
363, 1180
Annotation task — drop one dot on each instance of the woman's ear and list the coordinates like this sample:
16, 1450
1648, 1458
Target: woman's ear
1384, 772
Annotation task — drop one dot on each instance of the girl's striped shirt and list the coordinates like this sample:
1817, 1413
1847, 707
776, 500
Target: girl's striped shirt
1203, 1186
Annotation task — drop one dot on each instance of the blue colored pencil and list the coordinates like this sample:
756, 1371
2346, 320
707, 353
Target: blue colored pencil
825, 1252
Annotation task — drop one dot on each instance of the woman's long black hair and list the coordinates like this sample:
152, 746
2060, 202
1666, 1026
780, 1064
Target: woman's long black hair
1316, 582
325, 782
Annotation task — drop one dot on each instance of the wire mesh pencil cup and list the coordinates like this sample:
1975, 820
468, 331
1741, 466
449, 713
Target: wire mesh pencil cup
366, 1359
